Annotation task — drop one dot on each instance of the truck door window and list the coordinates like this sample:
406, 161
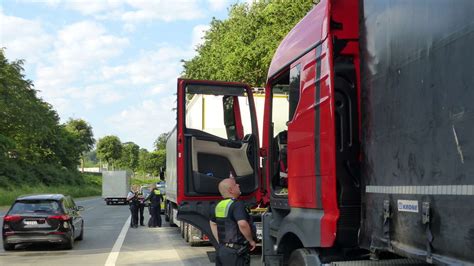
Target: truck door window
219, 138
285, 98
215, 113
294, 96
229, 118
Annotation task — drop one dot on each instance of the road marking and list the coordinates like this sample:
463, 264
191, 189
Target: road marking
87, 200
113, 256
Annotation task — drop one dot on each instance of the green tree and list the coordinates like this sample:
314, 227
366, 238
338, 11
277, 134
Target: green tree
130, 156
160, 142
83, 134
109, 149
241, 47
143, 155
34, 146
27, 121
152, 162
90, 159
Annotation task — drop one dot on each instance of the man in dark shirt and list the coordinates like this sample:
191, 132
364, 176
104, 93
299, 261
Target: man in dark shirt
230, 226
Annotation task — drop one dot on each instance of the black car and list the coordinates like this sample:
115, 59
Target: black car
50, 218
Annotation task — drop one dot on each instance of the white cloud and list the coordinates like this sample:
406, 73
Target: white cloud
134, 11
166, 10
158, 89
218, 5
90, 7
85, 42
71, 72
151, 68
145, 122
198, 33
24, 39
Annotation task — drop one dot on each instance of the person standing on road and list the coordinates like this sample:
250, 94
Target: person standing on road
155, 198
133, 201
231, 226
141, 206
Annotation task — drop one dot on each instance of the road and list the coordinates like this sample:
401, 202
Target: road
108, 240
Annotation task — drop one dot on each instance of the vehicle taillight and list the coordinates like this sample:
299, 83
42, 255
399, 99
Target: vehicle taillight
59, 217
12, 218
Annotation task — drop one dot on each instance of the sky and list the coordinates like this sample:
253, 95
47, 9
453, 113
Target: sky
113, 63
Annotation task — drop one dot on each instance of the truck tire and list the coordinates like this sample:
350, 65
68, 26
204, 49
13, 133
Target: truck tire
181, 228
8, 247
167, 212
304, 256
172, 222
187, 233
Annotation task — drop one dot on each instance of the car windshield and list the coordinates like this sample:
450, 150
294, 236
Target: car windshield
36, 206
162, 187
145, 191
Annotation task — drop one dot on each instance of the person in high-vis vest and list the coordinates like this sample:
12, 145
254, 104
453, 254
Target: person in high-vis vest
155, 198
230, 225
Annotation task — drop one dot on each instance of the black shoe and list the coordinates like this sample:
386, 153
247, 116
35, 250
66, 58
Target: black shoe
142, 225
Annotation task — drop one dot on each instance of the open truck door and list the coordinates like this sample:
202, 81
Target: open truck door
217, 134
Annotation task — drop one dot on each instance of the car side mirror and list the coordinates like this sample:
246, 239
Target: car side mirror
79, 208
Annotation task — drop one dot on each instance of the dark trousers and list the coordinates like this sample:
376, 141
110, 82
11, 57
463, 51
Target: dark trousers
155, 212
134, 212
226, 256
141, 208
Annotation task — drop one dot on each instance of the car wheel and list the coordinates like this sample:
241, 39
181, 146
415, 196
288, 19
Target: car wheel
70, 242
8, 247
81, 236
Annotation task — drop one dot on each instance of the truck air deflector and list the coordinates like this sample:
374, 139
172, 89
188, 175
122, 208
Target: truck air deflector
310, 31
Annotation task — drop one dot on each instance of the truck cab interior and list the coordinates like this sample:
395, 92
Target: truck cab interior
219, 139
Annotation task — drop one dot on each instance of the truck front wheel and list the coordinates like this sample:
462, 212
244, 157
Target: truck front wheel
304, 256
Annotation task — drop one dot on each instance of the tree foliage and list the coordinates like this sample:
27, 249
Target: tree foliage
160, 142
82, 132
109, 149
34, 146
241, 47
129, 158
152, 162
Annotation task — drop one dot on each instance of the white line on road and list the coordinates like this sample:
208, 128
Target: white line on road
86, 200
113, 256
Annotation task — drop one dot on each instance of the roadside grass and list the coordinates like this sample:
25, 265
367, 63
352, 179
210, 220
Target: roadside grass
137, 180
91, 186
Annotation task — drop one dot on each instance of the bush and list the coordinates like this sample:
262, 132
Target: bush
88, 185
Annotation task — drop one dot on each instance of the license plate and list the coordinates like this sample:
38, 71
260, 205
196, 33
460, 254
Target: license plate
30, 223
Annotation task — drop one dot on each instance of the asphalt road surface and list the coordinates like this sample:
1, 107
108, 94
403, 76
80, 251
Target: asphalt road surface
109, 240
